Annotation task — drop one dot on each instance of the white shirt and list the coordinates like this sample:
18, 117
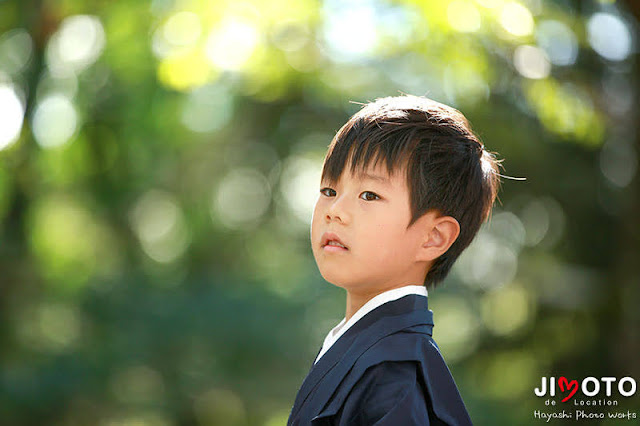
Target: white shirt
382, 298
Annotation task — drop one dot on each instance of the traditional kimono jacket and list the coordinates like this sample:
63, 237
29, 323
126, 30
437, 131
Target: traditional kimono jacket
385, 370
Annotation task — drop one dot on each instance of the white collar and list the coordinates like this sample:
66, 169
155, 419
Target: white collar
373, 303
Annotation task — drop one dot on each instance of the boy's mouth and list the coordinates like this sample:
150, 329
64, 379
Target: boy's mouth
331, 241
334, 246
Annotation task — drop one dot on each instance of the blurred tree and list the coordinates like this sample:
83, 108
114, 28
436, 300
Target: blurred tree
627, 339
159, 162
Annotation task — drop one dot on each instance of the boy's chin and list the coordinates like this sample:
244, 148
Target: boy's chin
338, 280
344, 281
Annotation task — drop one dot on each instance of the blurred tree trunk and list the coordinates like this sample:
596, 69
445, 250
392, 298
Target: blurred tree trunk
17, 272
626, 273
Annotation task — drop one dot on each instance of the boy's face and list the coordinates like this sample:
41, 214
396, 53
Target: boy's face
370, 217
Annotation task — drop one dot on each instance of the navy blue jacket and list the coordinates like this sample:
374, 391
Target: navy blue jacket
386, 370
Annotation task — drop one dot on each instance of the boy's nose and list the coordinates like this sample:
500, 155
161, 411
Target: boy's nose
332, 217
337, 211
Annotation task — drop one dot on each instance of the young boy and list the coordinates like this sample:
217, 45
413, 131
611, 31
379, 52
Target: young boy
405, 187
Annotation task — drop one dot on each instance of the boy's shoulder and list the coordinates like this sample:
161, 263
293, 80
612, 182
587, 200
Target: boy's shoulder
412, 344
398, 368
407, 344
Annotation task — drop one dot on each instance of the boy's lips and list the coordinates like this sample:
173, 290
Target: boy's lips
332, 236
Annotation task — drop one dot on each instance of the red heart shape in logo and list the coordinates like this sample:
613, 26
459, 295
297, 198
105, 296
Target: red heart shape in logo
565, 384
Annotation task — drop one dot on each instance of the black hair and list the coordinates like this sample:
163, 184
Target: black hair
447, 167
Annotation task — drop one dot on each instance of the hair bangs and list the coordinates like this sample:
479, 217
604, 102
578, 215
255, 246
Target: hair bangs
356, 152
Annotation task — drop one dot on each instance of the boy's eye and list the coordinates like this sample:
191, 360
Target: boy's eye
322, 191
373, 194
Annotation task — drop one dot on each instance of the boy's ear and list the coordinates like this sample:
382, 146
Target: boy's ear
441, 233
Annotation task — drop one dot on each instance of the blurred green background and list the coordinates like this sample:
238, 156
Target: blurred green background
159, 162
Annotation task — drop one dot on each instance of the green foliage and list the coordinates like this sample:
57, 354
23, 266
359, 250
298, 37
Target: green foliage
155, 200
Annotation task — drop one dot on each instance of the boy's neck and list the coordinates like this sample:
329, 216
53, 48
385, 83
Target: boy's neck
355, 301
